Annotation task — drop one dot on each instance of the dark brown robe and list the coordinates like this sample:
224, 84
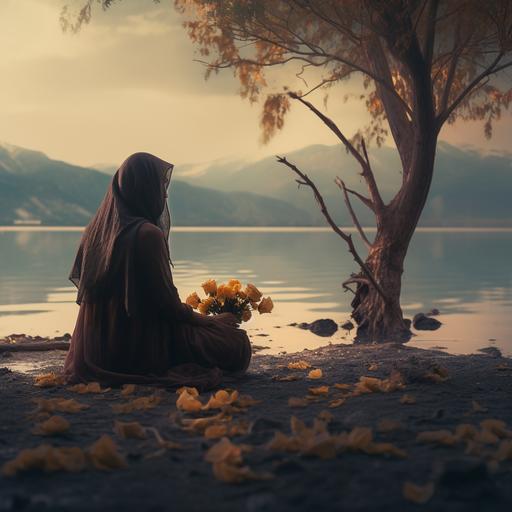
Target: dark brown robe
132, 326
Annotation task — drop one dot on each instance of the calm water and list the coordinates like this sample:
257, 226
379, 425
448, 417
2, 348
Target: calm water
466, 274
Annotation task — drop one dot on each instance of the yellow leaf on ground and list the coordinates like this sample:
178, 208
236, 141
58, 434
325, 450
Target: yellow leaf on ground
476, 407
345, 387
163, 443
375, 385
143, 403
336, 403
373, 367
443, 437
319, 390
90, 387
188, 403
315, 374
419, 494
246, 401
385, 449
130, 430
46, 458
221, 399
299, 365
104, 455
465, 431
497, 427
216, 431
359, 438
295, 401
407, 399
201, 424
128, 389
59, 405
189, 390
286, 378
234, 474
504, 451
486, 437
224, 451
54, 425
388, 425
49, 380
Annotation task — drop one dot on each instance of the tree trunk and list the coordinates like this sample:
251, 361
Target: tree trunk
380, 319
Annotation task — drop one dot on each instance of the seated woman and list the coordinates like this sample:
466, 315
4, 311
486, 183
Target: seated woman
132, 326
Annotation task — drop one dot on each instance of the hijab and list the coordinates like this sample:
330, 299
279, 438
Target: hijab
136, 195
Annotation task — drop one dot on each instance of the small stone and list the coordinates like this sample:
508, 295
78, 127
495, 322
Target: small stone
348, 325
434, 312
323, 327
491, 351
422, 322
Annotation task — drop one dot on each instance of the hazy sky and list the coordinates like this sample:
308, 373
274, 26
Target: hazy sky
128, 83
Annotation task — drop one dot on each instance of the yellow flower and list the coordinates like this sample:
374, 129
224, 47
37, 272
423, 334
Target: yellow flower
246, 315
225, 292
193, 300
210, 287
204, 307
252, 292
235, 285
266, 305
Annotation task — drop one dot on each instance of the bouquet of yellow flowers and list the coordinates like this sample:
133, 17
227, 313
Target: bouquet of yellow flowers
230, 298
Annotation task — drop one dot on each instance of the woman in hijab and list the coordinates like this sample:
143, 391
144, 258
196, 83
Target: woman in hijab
132, 326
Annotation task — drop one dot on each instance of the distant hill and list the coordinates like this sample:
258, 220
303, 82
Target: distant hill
469, 188
33, 186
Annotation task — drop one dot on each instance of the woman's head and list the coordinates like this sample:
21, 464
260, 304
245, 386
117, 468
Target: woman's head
142, 182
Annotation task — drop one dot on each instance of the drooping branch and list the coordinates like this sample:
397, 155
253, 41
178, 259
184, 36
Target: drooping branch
362, 159
355, 220
305, 180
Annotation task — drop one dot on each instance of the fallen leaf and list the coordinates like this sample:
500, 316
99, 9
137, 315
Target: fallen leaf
388, 425
189, 390
234, 474
345, 387
319, 390
336, 403
465, 431
200, 424
375, 385
163, 443
90, 387
373, 367
486, 437
246, 401
129, 430
224, 451
315, 374
359, 438
128, 389
286, 378
143, 403
385, 449
299, 365
325, 416
442, 437
220, 399
59, 405
497, 427
419, 494
54, 425
104, 455
476, 407
46, 458
188, 402
504, 451
407, 399
216, 431
49, 380
294, 401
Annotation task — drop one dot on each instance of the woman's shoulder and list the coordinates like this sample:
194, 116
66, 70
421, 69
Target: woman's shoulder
149, 234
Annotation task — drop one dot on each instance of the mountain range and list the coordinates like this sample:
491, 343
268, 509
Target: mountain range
469, 189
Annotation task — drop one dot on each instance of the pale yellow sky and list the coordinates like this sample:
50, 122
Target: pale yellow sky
128, 83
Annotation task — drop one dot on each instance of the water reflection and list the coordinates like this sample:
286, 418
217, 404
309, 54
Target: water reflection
465, 274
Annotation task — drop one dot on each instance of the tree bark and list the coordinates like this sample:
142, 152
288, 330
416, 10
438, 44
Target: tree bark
380, 319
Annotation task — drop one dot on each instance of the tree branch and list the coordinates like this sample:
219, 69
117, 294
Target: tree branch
355, 220
304, 180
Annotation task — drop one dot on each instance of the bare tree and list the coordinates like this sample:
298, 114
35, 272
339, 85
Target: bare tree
424, 63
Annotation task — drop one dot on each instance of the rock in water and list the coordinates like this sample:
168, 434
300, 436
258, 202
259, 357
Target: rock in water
434, 312
422, 322
348, 325
323, 327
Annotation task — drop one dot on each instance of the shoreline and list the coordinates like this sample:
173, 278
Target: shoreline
350, 481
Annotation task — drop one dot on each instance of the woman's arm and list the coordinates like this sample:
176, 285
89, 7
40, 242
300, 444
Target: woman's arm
151, 253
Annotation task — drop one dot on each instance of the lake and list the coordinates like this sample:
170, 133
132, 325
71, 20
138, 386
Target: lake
467, 274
